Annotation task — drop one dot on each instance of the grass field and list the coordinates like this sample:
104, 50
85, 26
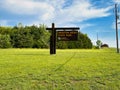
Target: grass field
35, 69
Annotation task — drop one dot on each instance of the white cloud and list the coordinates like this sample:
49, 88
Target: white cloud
26, 6
49, 11
29, 7
83, 10
79, 11
116, 1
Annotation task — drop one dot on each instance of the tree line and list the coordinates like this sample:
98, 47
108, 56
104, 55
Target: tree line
37, 37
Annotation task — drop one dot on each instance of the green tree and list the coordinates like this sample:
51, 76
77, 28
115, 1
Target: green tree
99, 43
40, 36
5, 30
5, 41
21, 38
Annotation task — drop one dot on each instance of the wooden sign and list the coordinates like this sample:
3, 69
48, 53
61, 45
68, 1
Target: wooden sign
67, 35
70, 34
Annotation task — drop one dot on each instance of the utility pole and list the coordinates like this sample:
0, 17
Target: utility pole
116, 24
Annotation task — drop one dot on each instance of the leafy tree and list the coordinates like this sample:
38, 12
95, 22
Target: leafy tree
45, 36
30, 36
99, 43
40, 36
5, 30
5, 41
21, 38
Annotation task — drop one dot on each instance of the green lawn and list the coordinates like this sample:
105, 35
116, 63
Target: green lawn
35, 69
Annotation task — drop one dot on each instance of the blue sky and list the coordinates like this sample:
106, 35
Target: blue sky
92, 16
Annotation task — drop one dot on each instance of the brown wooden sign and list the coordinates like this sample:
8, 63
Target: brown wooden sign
70, 34
67, 35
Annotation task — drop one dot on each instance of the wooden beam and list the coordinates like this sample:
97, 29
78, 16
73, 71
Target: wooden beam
64, 28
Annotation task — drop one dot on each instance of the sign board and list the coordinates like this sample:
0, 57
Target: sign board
67, 35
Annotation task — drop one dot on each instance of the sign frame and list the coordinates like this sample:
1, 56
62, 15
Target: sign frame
53, 36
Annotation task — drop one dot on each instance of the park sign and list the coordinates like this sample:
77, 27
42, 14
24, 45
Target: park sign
67, 35
63, 34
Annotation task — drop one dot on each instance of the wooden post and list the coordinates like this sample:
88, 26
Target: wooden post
53, 40
51, 45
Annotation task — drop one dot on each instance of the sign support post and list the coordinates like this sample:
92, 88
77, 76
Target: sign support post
53, 40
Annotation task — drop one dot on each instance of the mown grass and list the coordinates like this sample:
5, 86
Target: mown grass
35, 69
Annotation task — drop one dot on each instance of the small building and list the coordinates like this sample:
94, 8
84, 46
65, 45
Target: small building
104, 46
